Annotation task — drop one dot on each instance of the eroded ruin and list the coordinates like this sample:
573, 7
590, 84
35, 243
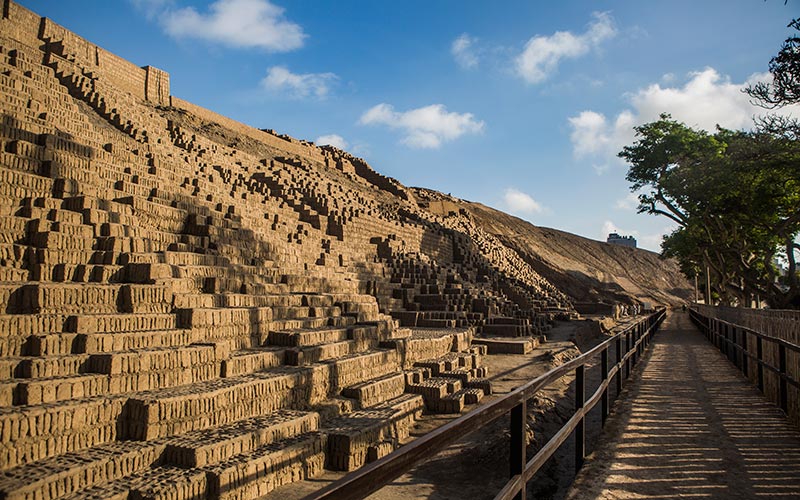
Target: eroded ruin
195, 308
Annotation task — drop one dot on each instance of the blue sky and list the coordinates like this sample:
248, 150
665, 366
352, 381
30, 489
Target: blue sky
520, 105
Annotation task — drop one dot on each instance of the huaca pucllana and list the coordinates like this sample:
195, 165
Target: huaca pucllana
193, 308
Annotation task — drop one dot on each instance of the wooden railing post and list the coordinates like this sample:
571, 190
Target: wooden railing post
580, 429
618, 344
604, 372
639, 332
372, 477
709, 326
517, 458
725, 343
627, 350
760, 357
745, 354
784, 394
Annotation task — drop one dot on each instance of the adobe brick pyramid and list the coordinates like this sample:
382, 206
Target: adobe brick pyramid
193, 308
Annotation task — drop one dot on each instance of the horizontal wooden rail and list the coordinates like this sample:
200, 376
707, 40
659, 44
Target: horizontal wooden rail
733, 341
374, 476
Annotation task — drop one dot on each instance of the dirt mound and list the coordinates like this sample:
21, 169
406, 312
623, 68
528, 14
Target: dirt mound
586, 270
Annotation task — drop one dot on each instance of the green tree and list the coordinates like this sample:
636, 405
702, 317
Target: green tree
735, 197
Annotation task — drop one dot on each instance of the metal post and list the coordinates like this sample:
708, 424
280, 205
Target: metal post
517, 457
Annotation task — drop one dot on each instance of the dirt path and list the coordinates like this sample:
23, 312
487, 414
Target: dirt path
691, 426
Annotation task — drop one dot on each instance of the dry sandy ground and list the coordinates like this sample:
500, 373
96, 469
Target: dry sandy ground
691, 426
476, 467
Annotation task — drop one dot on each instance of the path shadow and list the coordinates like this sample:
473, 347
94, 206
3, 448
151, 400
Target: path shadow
693, 427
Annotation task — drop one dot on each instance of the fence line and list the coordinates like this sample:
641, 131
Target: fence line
771, 363
781, 323
633, 339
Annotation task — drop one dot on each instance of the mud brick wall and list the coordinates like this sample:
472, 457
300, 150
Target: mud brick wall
269, 139
39, 432
433, 344
175, 411
327, 379
156, 85
175, 280
20, 23
146, 83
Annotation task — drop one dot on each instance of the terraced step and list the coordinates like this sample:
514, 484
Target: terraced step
177, 410
111, 323
507, 345
256, 473
435, 388
157, 483
213, 446
375, 391
307, 355
355, 438
32, 433
454, 403
96, 343
64, 388
53, 366
312, 323
252, 361
74, 472
308, 336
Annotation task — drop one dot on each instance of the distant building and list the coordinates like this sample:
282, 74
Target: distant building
615, 239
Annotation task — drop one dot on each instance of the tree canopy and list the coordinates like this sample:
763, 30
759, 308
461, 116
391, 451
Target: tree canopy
735, 197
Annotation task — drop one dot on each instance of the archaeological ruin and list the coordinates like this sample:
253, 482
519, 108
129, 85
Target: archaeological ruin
194, 308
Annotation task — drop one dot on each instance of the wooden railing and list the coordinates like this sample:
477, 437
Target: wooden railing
630, 345
771, 363
779, 323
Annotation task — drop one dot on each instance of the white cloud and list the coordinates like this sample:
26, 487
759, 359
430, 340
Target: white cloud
334, 140
704, 101
280, 79
520, 202
541, 54
425, 128
235, 23
630, 202
360, 149
463, 51
152, 8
